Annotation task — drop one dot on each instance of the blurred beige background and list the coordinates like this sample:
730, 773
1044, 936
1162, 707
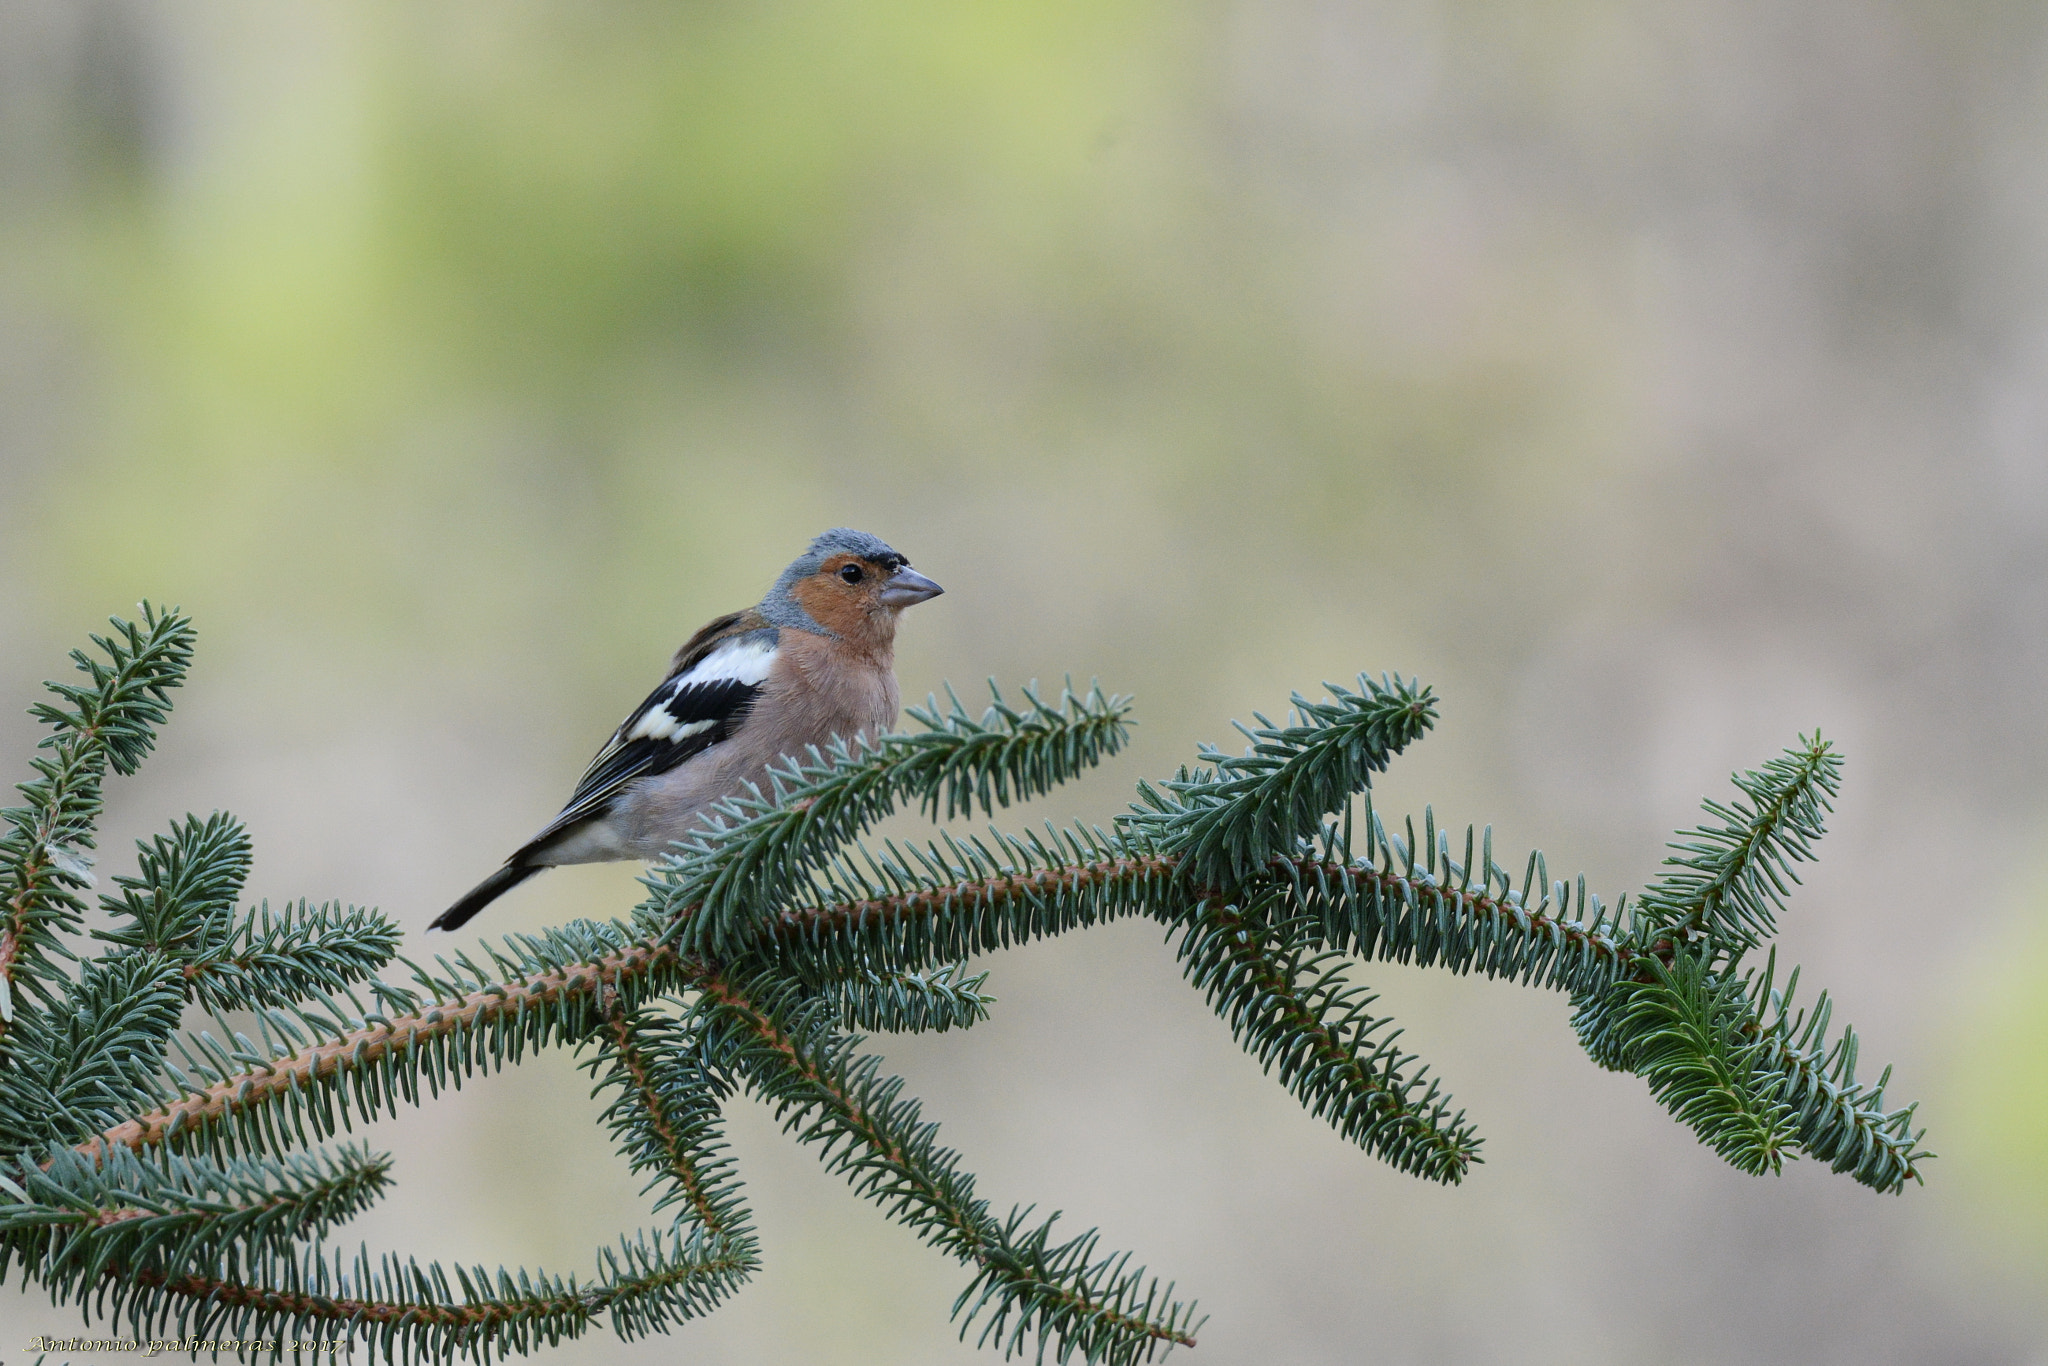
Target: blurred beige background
1657, 380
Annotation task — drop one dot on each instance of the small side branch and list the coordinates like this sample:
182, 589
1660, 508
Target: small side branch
108, 722
665, 1117
1410, 916
410, 1312
1294, 1012
1024, 1283
969, 915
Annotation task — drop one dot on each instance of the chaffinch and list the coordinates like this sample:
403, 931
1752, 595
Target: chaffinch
816, 659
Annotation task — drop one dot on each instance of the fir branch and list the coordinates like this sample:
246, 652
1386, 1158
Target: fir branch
1751, 1085
1684, 1032
1837, 1120
77, 1219
1733, 877
773, 933
1227, 819
955, 898
80, 1065
920, 909
1408, 901
406, 1312
181, 903
835, 1099
108, 723
129, 695
901, 1002
1434, 921
266, 959
665, 1117
409, 1312
1293, 1010
1795, 1072
183, 881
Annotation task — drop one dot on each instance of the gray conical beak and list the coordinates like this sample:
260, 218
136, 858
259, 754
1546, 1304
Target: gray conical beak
906, 587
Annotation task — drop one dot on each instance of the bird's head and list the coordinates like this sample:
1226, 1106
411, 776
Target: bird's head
847, 584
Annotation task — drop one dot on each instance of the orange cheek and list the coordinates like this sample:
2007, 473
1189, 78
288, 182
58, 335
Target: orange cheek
829, 605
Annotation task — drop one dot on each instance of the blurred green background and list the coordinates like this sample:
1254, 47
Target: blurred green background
1657, 380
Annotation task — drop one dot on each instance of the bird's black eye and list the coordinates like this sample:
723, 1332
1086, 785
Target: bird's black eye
850, 574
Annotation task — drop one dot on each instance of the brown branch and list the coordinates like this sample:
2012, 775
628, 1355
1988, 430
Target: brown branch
586, 1304
795, 924
371, 1044
764, 1028
111, 1215
680, 1159
107, 1218
362, 1047
1481, 903
236, 1294
33, 868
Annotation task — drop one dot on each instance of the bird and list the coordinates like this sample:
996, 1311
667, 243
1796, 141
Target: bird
813, 660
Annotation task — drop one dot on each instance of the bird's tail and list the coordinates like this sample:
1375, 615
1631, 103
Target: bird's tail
484, 893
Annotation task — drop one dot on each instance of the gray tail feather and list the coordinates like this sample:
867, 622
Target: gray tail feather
484, 893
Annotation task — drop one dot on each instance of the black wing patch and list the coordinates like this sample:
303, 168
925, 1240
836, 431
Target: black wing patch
686, 715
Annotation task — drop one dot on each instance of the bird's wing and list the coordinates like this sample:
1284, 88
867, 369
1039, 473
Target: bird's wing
710, 687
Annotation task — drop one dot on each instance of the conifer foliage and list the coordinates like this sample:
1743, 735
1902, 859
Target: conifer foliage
170, 1176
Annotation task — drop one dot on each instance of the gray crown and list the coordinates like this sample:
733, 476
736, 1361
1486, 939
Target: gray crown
782, 609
